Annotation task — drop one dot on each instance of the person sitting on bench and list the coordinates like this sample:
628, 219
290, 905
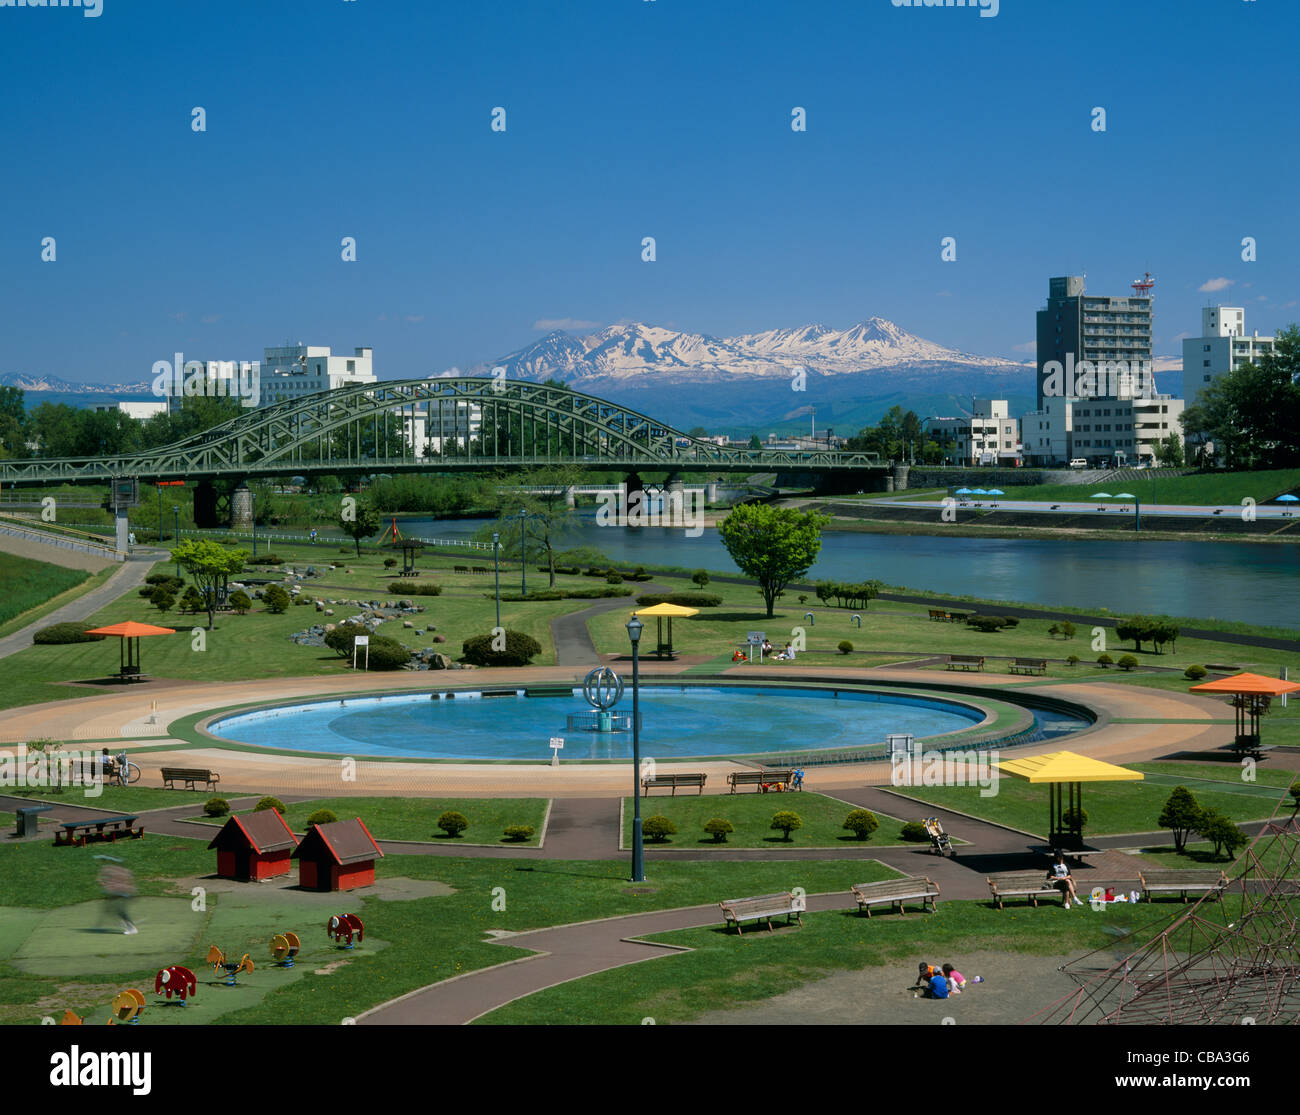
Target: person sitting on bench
1059, 876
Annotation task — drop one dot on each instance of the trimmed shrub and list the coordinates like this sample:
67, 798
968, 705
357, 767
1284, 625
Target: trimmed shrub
685, 599
517, 833
987, 624
519, 650
427, 589
845, 647
216, 807
161, 579
861, 822
239, 600
914, 832
266, 559
389, 562
453, 823
1053, 631
657, 827
786, 821
385, 654
1068, 818
700, 578
1294, 791
1127, 662
1195, 673
162, 598
1104, 660
276, 599
269, 803
192, 600
613, 578
1073, 660
60, 633
718, 827
1067, 629
300, 599
1010, 621
322, 817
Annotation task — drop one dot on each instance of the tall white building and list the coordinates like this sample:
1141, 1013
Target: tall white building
1111, 431
1222, 347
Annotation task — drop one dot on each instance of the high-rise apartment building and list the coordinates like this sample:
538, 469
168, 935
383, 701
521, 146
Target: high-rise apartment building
1222, 347
1109, 333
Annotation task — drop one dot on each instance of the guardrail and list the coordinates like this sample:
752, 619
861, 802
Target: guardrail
61, 542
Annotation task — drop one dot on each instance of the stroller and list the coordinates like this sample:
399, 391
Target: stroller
940, 842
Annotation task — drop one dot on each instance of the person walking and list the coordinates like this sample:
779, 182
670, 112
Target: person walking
118, 885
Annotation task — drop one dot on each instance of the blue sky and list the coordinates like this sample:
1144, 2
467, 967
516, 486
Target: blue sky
626, 119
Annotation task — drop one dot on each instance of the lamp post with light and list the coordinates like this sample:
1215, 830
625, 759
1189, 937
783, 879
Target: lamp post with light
496, 566
176, 530
634, 627
523, 551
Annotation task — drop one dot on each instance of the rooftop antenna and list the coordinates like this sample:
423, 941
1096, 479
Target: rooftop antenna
1142, 287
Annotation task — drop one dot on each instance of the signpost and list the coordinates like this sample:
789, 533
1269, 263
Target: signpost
360, 641
557, 745
756, 639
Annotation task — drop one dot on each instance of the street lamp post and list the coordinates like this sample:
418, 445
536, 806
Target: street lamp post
176, 529
634, 627
523, 551
496, 566
252, 506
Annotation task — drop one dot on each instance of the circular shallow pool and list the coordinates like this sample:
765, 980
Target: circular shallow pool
676, 722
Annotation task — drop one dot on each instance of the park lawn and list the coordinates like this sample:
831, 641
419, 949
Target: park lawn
26, 584
1112, 807
428, 939
751, 815
117, 799
416, 818
902, 630
52, 603
1226, 775
725, 970
1199, 854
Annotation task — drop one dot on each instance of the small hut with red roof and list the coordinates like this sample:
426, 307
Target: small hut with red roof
255, 846
338, 856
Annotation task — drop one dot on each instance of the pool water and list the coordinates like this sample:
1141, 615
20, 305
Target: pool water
676, 722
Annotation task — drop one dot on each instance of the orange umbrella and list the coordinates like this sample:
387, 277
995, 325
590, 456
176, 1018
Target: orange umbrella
131, 634
1250, 697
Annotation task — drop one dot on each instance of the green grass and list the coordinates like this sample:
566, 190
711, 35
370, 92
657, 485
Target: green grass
726, 970
26, 584
1112, 807
416, 818
1215, 488
751, 814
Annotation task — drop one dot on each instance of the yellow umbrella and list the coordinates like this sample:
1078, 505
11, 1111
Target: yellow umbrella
1066, 768
668, 612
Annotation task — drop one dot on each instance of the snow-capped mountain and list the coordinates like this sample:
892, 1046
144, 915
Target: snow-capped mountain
25, 382
633, 351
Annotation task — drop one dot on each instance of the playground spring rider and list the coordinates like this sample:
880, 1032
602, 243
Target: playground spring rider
176, 980
284, 947
218, 960
342, 927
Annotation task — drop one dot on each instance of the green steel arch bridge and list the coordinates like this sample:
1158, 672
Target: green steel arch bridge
435, 425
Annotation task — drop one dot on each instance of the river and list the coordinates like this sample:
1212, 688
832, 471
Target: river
1250, 583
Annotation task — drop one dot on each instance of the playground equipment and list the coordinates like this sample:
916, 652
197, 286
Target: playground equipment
218, 960
176, 980
342, 927
284, 947
71, 1019
940, 842
127, 1006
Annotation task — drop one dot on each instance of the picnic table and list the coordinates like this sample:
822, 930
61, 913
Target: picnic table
97, 828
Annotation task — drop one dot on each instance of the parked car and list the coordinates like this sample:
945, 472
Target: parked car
1078, 462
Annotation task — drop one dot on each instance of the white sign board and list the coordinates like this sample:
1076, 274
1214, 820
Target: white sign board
557, 745
756, 637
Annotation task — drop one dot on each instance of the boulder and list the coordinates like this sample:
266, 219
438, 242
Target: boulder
329, 611
407, 623
430, 627
440, 638
441, 662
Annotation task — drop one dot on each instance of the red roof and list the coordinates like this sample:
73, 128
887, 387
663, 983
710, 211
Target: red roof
265, 831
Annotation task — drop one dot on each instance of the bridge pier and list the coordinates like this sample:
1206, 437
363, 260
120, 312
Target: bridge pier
711, 492
900, 473
571, 497
241, 508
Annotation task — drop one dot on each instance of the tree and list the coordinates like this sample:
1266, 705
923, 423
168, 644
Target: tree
276, 599
211, 565
239, 600
1138, 628
697, 431
718, 827
191, 601
545, 498
163, 599
453, 823
1221, 831
1169, 452
1180, 815
700, 578
13, 423
786, 821
772, 545
862, 823
755, 442
363, 523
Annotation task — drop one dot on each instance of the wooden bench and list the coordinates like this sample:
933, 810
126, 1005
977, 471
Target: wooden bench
965, 662
460, 569
1212, 881
896, 892
189, 775
938, 614
759, 778
1029, 666
674, 780
1021, 884
763, 908
97, 828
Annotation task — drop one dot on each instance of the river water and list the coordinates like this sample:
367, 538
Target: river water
1251, 583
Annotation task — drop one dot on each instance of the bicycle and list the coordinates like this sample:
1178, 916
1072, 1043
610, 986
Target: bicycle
123, 772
